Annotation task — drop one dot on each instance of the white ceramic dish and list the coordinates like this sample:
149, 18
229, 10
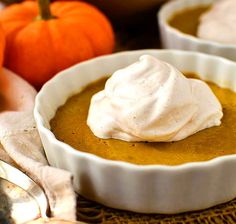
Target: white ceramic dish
174, 39
151, 188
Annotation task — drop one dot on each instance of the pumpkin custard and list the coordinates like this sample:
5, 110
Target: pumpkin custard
187, 20
70, 126
215, 22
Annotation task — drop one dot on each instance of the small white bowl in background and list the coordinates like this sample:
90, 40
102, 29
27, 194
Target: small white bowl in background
172, 38
122, 185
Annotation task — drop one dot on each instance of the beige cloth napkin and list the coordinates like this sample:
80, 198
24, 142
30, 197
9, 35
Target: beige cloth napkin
20, 144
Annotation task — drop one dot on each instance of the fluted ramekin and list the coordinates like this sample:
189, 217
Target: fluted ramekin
122, 185
172, 38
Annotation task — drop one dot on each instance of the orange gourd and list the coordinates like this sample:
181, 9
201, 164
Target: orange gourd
2, 45
40, 43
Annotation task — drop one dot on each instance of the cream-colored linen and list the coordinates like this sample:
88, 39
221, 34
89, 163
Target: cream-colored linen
20, 144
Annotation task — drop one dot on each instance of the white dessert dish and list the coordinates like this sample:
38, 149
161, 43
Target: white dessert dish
172, 38
139, 188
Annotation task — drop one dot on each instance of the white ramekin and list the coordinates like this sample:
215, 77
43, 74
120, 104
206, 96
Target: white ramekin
140, 188
172, 38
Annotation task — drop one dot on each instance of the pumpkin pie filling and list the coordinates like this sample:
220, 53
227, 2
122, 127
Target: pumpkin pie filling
187, 20
215, 22
69, 125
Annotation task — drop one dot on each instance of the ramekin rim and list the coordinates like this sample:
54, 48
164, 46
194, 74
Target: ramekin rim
153, 167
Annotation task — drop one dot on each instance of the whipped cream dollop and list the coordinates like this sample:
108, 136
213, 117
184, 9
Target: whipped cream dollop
151, 100
219, 23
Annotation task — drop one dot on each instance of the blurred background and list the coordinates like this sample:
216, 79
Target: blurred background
134, 21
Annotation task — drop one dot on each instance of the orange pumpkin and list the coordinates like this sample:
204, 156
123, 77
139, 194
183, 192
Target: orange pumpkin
2, 45
67, 33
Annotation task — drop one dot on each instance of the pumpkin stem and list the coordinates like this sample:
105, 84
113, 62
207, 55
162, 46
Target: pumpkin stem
44, 10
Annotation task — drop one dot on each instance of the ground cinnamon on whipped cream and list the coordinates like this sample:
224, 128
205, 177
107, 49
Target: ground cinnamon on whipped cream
219, 23
152, 101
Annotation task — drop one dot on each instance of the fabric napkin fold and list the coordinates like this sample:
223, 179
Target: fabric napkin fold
21, 145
